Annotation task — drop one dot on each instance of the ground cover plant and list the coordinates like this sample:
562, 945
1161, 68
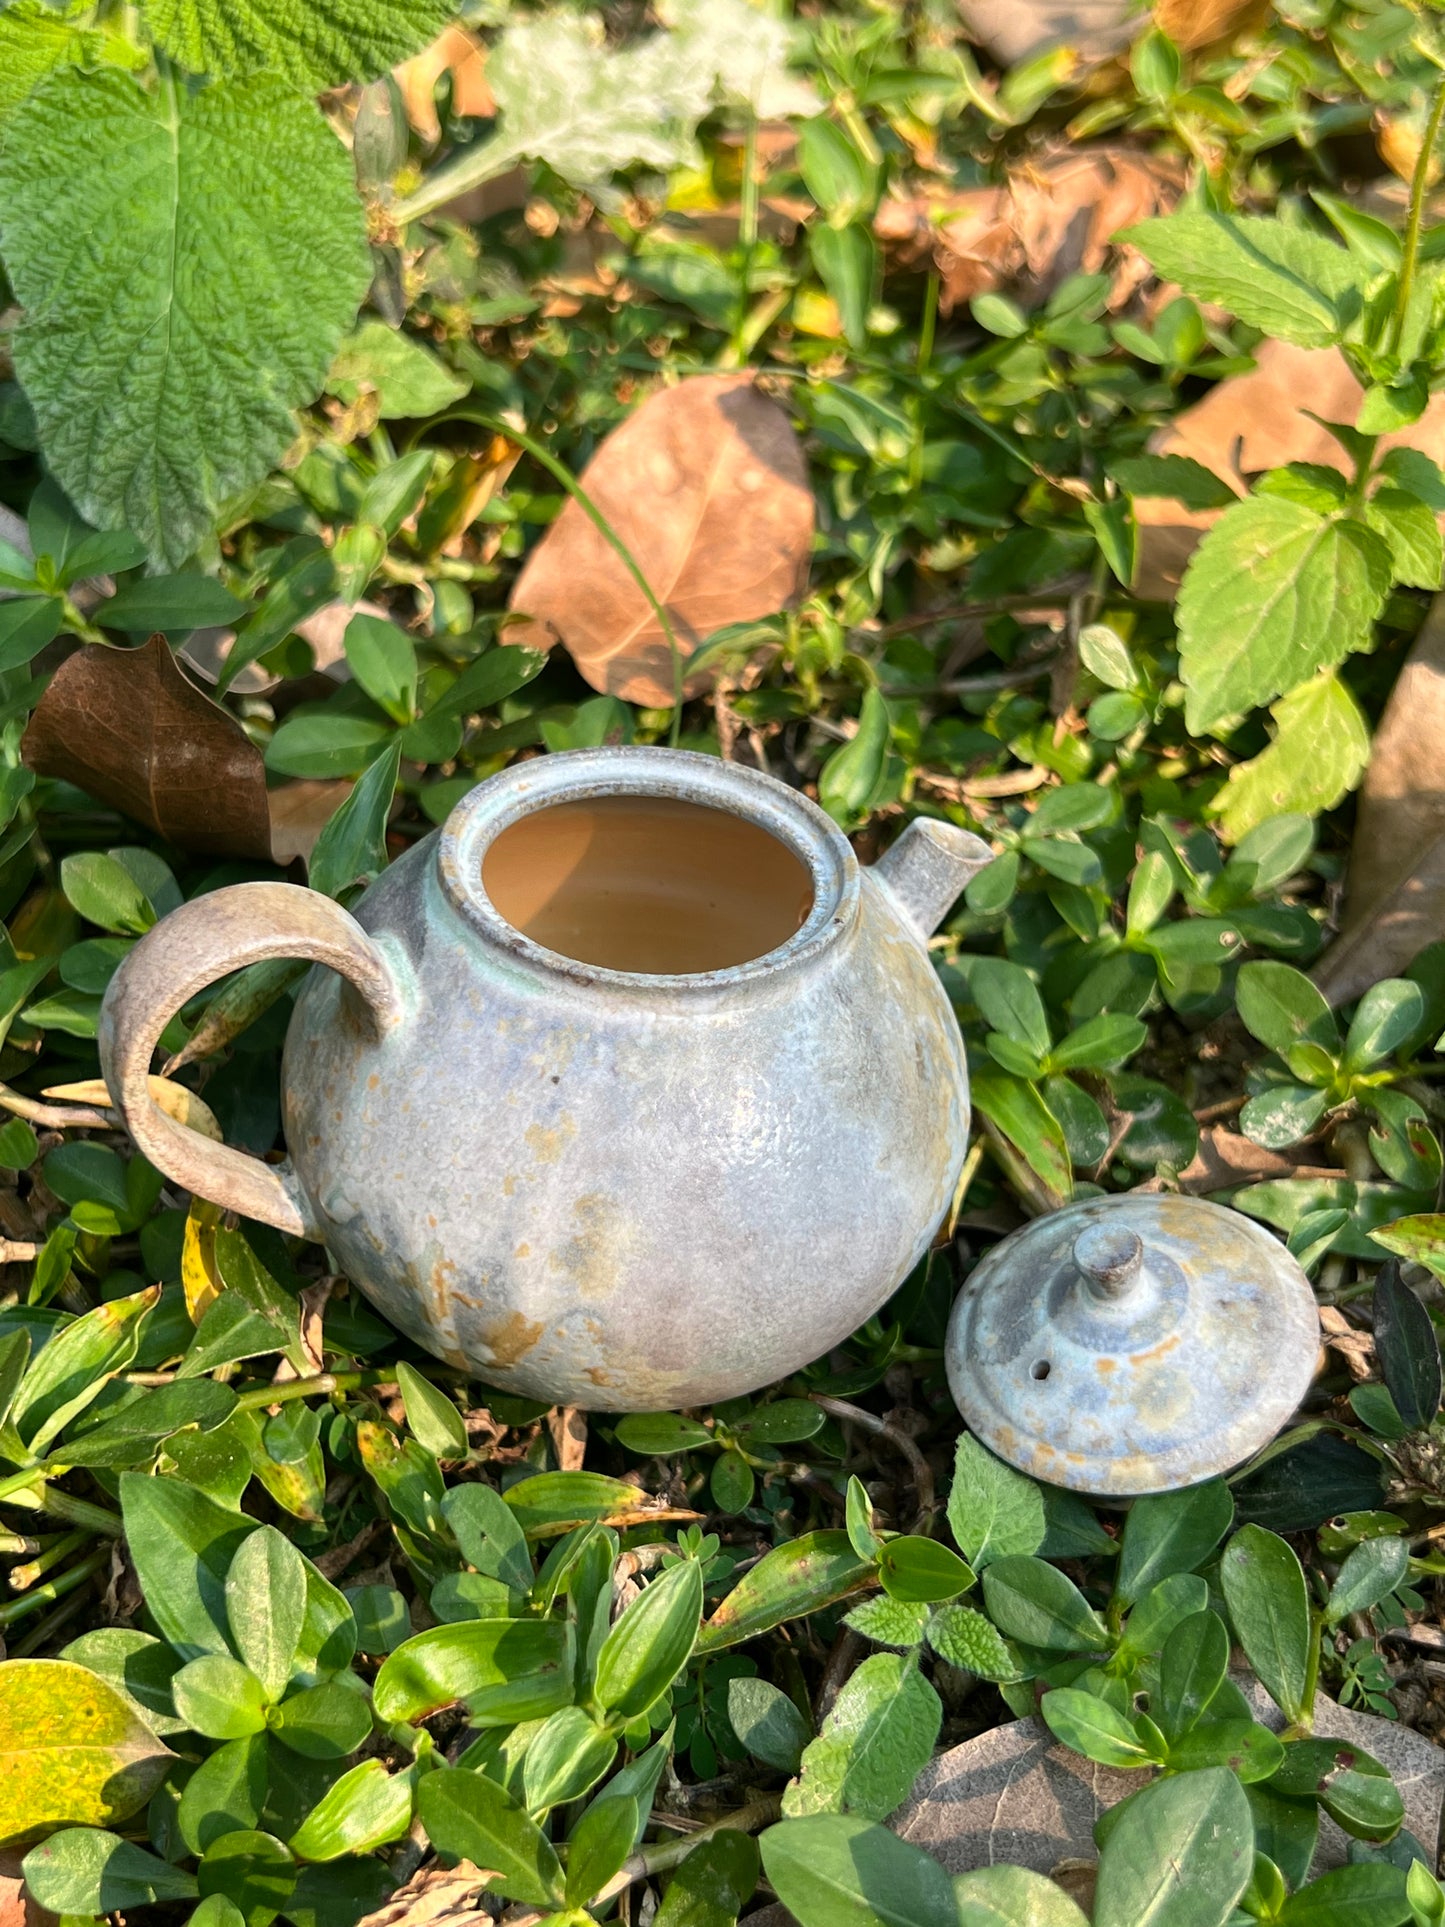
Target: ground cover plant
1040, 437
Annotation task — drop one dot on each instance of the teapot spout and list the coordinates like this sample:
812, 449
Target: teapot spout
928, 867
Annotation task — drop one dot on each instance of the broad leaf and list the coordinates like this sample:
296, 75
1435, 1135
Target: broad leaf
1285, 280
792, 1580
1092, 1727
838, 1870
472, 1818
1192, 1669
873, 1745
315, 43
1179, 1856
767, 1722
1013, 1897
1406, 1346
367, 1807
1319, 753
81, 1870
713, 1884
1169, 1533
266, 1606
129, 221
650, 1644
1033, 1601
1264, 1586
182, 1544
504, 1669
73, 1751
1275, 591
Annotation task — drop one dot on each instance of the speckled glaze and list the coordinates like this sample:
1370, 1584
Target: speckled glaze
614, 1190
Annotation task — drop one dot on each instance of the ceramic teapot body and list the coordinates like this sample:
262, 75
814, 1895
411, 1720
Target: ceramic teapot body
620, 1189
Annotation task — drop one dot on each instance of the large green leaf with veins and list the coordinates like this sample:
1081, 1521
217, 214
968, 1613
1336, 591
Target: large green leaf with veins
35, 40
316, 43
1275, 591
187, 264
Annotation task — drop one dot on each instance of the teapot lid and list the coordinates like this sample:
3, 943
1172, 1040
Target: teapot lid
1132, 1344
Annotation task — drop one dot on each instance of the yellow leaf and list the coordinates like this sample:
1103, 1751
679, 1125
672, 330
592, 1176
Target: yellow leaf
174, 1099
199, 1276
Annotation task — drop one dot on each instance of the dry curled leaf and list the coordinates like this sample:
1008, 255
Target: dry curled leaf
1014, 30
568, 1427
1395, 893
1051, 218
459, 54
435, 1897
126, 726
174, 1099
707, 487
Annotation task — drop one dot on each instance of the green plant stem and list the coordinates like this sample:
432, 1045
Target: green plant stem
1305, 1724
34, 1492
322, 1386
56, 1588
747, 233
561, 473
460, 174
1419, 186
671, 1853
22, 1578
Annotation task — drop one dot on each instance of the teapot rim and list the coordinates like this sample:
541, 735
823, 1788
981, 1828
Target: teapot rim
579, 775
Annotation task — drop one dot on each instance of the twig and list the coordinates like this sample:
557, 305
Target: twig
1057, 597
881, 1428
60, 1117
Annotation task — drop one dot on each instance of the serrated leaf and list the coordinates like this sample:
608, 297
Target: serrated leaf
890, 1622
36, 38
130, 222
993, 1511
73, 1751
1285, 280
1412, 533
1274, 592
873, 1745
1320, 751
966, 1639
315, 43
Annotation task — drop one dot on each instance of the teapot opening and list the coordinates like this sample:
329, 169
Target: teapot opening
647, 884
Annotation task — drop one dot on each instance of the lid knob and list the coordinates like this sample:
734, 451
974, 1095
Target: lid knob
1109, 1256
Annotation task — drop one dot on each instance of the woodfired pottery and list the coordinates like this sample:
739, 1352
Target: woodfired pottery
620, 1188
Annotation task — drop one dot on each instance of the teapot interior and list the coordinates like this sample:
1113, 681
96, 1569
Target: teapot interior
647, 884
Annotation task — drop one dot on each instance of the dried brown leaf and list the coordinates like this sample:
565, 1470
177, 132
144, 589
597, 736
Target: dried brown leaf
300, 811
1395, 894
567, 1425
127, 727
1014, 30
707, 486
459, 54
432, 1897
1052, 218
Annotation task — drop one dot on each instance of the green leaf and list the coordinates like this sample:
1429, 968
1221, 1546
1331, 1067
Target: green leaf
599, 1844
661, 1434
315, 46
252, 1870
713, 1884
851, 776
1320, 750
1250, 1751
890, 1622
567, 1756
794, 1579
182, 1545
1373, 1569
216, 1696
136, 1666
1104, 1042
351, 850
408, 380
782, 1421
365, 1809
36, 38
1264, 1586
967, 1640
1180, 1854
266, 1607
731, 1482
81, 1870
77, 1364
1282, 1008
1274, 592
1406, 1347
73, 1751
556, 1501
649, 1645
103, 891
488, 1534
1015, 1108
29, 622
1192, 1668
993, 1509
323, 743
505, 1670
1349, 1783
1178, 479
172, 604
183, 198
1092, 1727
1030, 1600
875, 1742
847, 264
132, 1435
1363, 1896
432, 1417
324, 1722
383, 661
838, 1870
1010, 1002
1012, 1897
917, 1569
767, 1723
1285, 280
472, 1818
1162, 1608
1389, 1014
1171, 1532
1412, 534
225, 1794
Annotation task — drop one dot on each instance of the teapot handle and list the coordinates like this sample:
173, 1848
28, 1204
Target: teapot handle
208, 938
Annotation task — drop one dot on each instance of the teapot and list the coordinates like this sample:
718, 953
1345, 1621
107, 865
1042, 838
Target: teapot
626, 1089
